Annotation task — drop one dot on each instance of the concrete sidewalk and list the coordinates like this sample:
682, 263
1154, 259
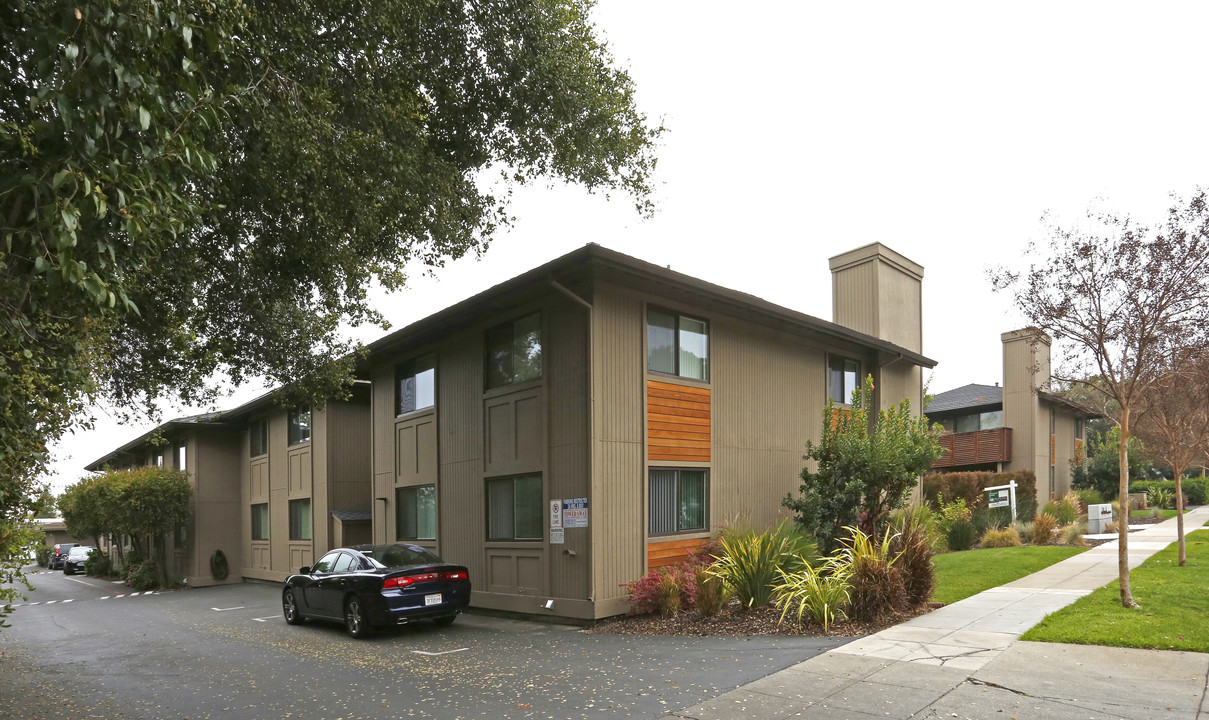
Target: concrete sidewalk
965, 661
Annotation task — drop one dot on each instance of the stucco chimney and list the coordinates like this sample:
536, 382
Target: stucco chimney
1026, 369
877, 291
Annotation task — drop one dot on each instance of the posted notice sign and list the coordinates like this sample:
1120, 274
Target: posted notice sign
575, 512
997, 498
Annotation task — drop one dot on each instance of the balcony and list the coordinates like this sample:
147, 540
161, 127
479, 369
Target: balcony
975, 448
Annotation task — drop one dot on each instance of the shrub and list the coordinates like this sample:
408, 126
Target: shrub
920, 515
42, 556
969, 486
668, 593
1025, 531
651, 593
711, 592
1161, 498
1089, 496
1070, 505
1063, 512
1001, 537
1194, 488
985, 519
1043, 528
961, 535
915, 537
952, 512
1073, 534
1156, 514
1112, 526
822, 593
98, 564
143, 576
749, 562
877, 586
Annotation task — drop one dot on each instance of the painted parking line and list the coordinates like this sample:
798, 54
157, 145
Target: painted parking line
434, 654
266, 618
239, 607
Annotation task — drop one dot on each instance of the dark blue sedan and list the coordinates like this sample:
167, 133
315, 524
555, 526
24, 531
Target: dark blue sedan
377, 586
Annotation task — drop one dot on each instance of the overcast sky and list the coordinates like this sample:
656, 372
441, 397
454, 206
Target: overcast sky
799, 130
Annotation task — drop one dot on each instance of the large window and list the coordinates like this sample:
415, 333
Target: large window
677, 501
416, 513
300, 426
843, 378
180, 457
677, 345
972, 422
415, 385
514, 508
514, 351
258, 431
260, 521
300, 519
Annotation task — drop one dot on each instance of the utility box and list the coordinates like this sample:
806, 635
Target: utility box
1098, 517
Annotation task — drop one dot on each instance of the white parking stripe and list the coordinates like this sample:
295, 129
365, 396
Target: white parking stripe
226, 609
51, 602
68, 600
434, 654
270, 617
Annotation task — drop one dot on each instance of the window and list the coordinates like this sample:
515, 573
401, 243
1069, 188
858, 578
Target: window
990, 420
300, 426
343, 564
325, 563
514, 351
966, 423
259, 433
300, 519
260, 521
677, 501
159, 459
415, 385
978, 421
180, 457
514, 508
416, 513
843, 375
1079, 423
677, 345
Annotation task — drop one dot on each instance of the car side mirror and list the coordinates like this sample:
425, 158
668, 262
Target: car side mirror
304, 570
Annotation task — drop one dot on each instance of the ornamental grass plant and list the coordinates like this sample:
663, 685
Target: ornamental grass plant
877, 586
821, 593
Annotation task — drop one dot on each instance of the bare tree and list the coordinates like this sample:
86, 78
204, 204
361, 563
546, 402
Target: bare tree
1174, 422
1120, 301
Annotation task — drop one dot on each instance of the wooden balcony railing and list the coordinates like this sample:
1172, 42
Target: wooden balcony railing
974, 448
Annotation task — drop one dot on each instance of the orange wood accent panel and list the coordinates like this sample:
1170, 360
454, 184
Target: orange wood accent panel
678, 422
978, 446
1052, 445
669, 553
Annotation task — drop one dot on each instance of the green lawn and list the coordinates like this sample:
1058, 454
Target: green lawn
1164, 514
1173, 599
962, 574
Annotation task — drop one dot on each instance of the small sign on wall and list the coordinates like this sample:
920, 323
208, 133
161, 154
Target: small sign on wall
575, 512
556, 536
556, 513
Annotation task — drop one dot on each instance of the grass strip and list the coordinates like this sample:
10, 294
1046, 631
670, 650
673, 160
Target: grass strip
1165, 514
1172, 617
962, 574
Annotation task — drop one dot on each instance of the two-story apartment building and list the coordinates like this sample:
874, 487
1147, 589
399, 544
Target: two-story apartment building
1017, 426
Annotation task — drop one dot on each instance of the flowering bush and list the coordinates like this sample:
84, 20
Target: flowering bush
142, 576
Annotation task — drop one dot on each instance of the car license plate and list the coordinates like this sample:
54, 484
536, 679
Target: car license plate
432, 599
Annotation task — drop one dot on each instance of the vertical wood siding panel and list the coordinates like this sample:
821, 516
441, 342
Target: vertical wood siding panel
567, 475
279, 517
855, 299
460, 501
348, 441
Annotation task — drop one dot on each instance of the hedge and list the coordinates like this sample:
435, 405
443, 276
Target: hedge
1194, 488
969, 486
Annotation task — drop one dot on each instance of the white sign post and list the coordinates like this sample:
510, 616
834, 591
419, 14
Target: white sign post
1002, 496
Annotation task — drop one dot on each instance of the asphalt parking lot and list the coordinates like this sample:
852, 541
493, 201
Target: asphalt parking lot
86, 648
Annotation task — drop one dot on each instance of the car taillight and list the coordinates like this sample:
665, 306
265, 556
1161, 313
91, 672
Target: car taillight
456, 575
402, 582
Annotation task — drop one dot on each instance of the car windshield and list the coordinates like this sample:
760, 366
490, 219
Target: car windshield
77, 552
385, 557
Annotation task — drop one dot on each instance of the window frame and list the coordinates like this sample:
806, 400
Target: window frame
262, 434
294, 426
265, 525
297, 536
414, 489
846, 400
182, 455
705, 501
677, 316
511, 371
540, 511
399, 377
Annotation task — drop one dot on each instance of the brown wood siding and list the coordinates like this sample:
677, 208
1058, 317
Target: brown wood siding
662, 554
569, 565
975, 448
678, 422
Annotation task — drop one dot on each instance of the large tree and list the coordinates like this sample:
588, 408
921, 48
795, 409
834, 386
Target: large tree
1174, 423
191, 188
1120, 301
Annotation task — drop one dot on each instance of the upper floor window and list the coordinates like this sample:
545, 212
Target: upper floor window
159, 458
300, 426
843, 378
514, 351
677, 345
259, 433
415, 384
180, 456
978, 421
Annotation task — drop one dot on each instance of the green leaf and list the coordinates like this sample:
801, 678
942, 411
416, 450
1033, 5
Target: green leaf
187, 33
60, 176
144, 117
40, 264
69, 219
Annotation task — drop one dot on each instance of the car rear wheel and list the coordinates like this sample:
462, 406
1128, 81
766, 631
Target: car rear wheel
289, 608
354, 618
445, 620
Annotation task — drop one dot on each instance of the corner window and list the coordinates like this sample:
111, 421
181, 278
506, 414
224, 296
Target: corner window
258, 431
300, 519
260, 521
416, 513
514, 351
300, 426
180, 457
159, 459
966, 423
677, 501
415, 384
843, 378
514, 508
677, 345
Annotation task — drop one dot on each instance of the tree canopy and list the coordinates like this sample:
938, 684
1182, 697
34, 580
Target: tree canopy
194, 188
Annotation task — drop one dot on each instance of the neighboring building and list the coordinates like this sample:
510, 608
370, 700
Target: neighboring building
56, 532
205, 448
1019, 426
567, 430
